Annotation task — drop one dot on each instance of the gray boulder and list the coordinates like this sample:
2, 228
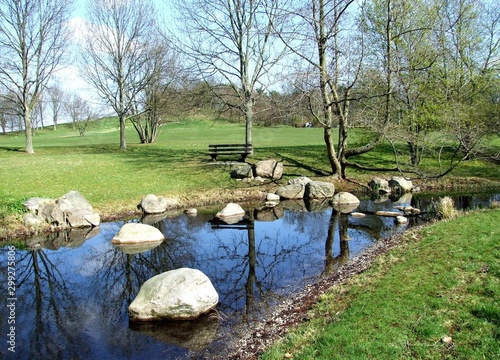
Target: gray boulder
30, 219
319, 190
133, 233
78, 211
33, 204
243, 171
152, 204
303, 180
399, 184
292, 191
52, 213
379, 186
182, 294
270, 169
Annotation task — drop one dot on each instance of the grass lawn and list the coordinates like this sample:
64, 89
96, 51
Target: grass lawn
176, 165
435, 298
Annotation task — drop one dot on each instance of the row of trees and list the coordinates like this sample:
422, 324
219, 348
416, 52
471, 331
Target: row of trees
60, 103
405, 70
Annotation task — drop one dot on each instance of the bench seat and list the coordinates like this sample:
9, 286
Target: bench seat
229, 149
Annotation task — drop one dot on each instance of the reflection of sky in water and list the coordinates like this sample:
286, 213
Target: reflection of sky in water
73, 301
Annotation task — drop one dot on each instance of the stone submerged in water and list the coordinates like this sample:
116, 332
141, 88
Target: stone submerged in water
182, 294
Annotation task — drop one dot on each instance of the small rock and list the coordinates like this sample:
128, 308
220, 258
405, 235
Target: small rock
447, 339
401, 220
191, 212
231, 210
272, 197
388, 213
358, 215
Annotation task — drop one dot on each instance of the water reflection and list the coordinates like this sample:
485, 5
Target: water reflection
74, 289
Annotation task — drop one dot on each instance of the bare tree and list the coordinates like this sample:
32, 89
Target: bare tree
231, 44
80, 113
57, 99
160, 95
8, 115
33, 37
117, 54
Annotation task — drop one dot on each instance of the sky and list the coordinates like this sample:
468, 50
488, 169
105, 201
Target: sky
68, 77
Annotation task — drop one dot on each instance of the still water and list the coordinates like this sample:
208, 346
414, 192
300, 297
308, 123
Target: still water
73, 290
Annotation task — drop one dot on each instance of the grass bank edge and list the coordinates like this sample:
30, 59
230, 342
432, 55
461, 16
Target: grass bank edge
434, 296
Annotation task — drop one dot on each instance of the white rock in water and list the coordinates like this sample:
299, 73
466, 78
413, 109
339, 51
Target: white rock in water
182, 294
230, 211
136, 233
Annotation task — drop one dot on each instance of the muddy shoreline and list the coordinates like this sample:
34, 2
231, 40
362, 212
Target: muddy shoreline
12, 228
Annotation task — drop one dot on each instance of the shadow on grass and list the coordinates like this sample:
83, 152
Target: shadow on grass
304, 160
12, 148
301, 165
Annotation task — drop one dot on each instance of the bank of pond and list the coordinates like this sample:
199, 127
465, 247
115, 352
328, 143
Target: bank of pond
73, 289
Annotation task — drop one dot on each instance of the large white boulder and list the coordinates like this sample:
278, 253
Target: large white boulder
133, 233
345, 202
271, 169
319, 190
182, 294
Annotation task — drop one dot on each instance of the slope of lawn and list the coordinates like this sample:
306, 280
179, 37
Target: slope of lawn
435, 297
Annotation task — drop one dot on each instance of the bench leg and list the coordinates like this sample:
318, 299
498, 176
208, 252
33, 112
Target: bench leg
214, 158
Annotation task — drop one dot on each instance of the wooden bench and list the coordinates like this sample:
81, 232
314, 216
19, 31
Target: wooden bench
229, 149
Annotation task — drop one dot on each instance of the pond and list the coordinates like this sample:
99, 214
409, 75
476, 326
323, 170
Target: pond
73, 290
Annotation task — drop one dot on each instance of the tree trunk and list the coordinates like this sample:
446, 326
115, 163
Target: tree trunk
330, 149
28, 131
123, 143
248, 118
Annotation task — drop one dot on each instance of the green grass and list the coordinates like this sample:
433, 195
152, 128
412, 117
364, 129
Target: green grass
447, 284
175, 165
